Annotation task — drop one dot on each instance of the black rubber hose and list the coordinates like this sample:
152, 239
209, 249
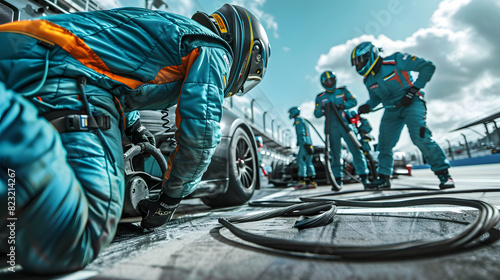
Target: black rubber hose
156, 153
316, 198
321, 138
314, 128
328, 161
488, 217
354, 139
403, 195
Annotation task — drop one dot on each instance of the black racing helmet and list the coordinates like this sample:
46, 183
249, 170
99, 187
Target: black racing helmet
249, 43
328, 80
293, 112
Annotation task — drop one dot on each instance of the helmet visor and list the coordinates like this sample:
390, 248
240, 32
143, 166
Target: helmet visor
360, 61
328, 83
256, 69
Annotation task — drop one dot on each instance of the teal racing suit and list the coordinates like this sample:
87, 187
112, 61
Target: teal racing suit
387, 86
304, 158
343, 97
70, 185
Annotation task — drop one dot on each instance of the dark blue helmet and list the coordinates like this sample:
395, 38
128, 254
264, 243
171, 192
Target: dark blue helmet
294, 111
249, 43
364, 57
328, 80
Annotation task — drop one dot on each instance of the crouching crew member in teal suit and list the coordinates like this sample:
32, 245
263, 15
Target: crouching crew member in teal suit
306, 172
87, 73
342, 98
389, 82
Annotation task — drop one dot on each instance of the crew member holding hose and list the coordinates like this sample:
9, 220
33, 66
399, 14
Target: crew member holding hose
342, 99
388, 81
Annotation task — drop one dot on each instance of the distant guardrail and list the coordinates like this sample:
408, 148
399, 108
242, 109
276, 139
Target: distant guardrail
494, 158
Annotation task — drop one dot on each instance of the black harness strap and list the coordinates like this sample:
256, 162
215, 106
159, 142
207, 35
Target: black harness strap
75, 121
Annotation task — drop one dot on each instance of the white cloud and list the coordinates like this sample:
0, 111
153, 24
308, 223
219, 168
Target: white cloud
446, 10
267, 20
110, 4
463, 42
182, 7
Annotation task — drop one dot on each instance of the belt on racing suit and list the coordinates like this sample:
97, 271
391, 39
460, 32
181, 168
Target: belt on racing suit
75, 121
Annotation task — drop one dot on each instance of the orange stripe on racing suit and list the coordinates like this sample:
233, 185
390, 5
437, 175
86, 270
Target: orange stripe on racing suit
408, 80
51, 33
396, 78
187, 61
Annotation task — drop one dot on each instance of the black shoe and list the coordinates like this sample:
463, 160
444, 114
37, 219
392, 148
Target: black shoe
445, 180
366, 184
383, 182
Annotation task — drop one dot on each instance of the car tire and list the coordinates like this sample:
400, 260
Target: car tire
243, 172
276, 176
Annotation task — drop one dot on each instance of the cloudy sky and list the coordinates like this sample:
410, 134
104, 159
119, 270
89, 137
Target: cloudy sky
461, 37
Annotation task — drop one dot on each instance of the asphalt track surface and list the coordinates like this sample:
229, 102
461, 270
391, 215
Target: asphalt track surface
194, 245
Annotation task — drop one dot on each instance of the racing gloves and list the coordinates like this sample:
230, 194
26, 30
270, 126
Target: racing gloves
410, 93
157, 210
309, 148
363, 109
138, 133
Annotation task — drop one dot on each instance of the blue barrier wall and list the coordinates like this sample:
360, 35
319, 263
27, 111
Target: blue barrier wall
494, 158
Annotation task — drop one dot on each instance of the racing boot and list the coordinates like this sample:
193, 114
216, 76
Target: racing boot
300, 185
312, 185
446, 182
339, 183
383, 182
364, 181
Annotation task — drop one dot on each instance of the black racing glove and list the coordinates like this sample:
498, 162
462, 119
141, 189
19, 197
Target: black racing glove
340, 106
309, 148
363, 109
139, 133
410, 93
157, 210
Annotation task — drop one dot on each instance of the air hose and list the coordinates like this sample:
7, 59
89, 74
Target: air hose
45, 74
82, 82
471, 236
403, 195
328, 165
353, 138
314, 128
488, 217
328, 171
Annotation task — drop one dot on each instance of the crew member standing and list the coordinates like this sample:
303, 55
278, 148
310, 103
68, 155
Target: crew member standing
306, 172
342, 99
389, 82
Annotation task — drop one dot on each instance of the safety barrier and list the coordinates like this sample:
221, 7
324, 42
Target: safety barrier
494, 158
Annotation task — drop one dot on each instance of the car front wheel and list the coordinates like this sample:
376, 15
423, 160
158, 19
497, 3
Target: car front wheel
242, 171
